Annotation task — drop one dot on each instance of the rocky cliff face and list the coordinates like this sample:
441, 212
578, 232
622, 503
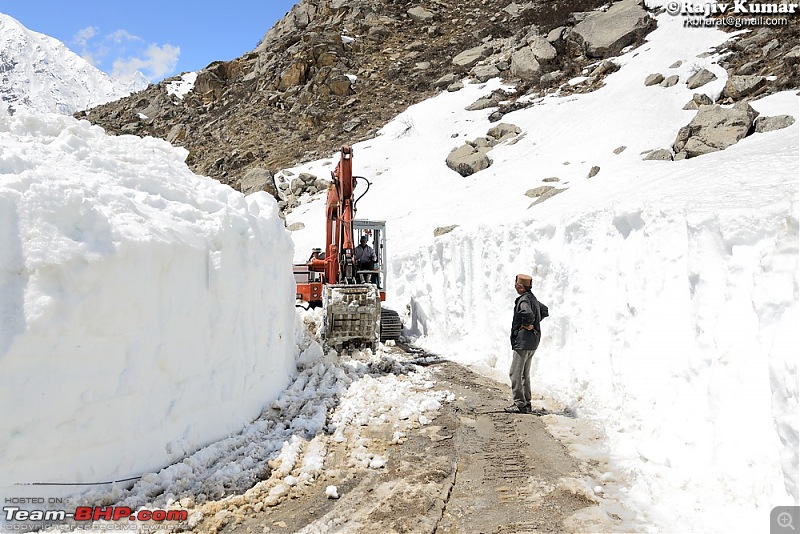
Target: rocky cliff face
332, 72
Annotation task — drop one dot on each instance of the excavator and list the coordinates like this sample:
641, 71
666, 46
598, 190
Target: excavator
351, 297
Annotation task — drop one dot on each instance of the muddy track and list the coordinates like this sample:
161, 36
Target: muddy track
473, 469
509, 468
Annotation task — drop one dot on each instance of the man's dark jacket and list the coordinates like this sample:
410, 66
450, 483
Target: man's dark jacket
526, 311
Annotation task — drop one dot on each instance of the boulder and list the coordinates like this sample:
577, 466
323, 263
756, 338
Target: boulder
483, 142
536, 192
670, 81
768, 124
295, 74
547, 194
420, 14
542, 50
715, 128
550, 78
699, 99
504, 130
738, 87
441, 230
469, 58
378, 33
700, 78
662, 154
340, 85
605, 34
485, 103
445, 80
754, 40
177, 133
209, 86
654, 79
793, 56
605, 67
258, 179
555, 34
467, 160
485, 73
524, 64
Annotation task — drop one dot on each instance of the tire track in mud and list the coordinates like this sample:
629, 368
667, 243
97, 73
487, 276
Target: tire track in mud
511, 471
473, 469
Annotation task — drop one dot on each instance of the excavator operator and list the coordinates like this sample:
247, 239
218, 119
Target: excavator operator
366, 258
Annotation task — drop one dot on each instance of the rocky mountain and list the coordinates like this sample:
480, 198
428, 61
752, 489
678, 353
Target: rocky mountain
332, 72
40, 74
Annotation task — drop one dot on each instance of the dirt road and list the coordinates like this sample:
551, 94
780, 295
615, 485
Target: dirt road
473, 469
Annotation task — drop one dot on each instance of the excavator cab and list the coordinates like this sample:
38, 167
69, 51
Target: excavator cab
350, 292
375, 233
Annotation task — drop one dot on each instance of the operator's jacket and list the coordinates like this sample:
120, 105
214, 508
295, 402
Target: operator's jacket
365, 254
526, 311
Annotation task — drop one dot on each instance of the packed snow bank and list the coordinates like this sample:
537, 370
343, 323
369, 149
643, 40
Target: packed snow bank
673, 322
144, 311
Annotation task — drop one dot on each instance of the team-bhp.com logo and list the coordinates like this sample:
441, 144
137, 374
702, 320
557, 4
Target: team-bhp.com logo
93, 513
738, 13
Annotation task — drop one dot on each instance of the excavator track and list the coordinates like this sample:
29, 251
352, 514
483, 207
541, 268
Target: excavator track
391, 326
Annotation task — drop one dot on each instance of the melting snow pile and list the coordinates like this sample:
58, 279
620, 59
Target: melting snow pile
144, 311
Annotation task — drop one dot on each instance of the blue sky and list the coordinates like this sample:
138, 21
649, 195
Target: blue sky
158, 38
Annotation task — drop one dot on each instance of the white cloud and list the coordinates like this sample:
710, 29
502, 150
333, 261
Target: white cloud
81, 40
156, 63
82, 37
130, 53
121, 36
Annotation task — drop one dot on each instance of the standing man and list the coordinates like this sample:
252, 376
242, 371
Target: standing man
525, 337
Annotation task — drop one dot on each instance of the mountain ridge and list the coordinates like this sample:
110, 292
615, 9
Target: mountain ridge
40, 74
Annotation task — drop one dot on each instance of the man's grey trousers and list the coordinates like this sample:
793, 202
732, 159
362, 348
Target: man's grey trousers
520, 375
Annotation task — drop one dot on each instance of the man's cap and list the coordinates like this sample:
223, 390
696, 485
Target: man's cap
524, 280
363, 238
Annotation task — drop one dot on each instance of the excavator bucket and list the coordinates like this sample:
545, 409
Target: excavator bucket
352, 315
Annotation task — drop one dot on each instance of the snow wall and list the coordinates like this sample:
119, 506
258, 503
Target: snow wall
672, 323
144, 311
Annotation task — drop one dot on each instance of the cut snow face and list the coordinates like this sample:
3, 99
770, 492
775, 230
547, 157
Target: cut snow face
672, 285
144, 311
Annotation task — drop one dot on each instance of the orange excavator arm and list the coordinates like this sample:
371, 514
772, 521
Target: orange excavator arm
352, 309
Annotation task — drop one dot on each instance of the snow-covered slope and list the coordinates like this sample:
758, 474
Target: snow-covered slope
40, 74
144, 311
672, 286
